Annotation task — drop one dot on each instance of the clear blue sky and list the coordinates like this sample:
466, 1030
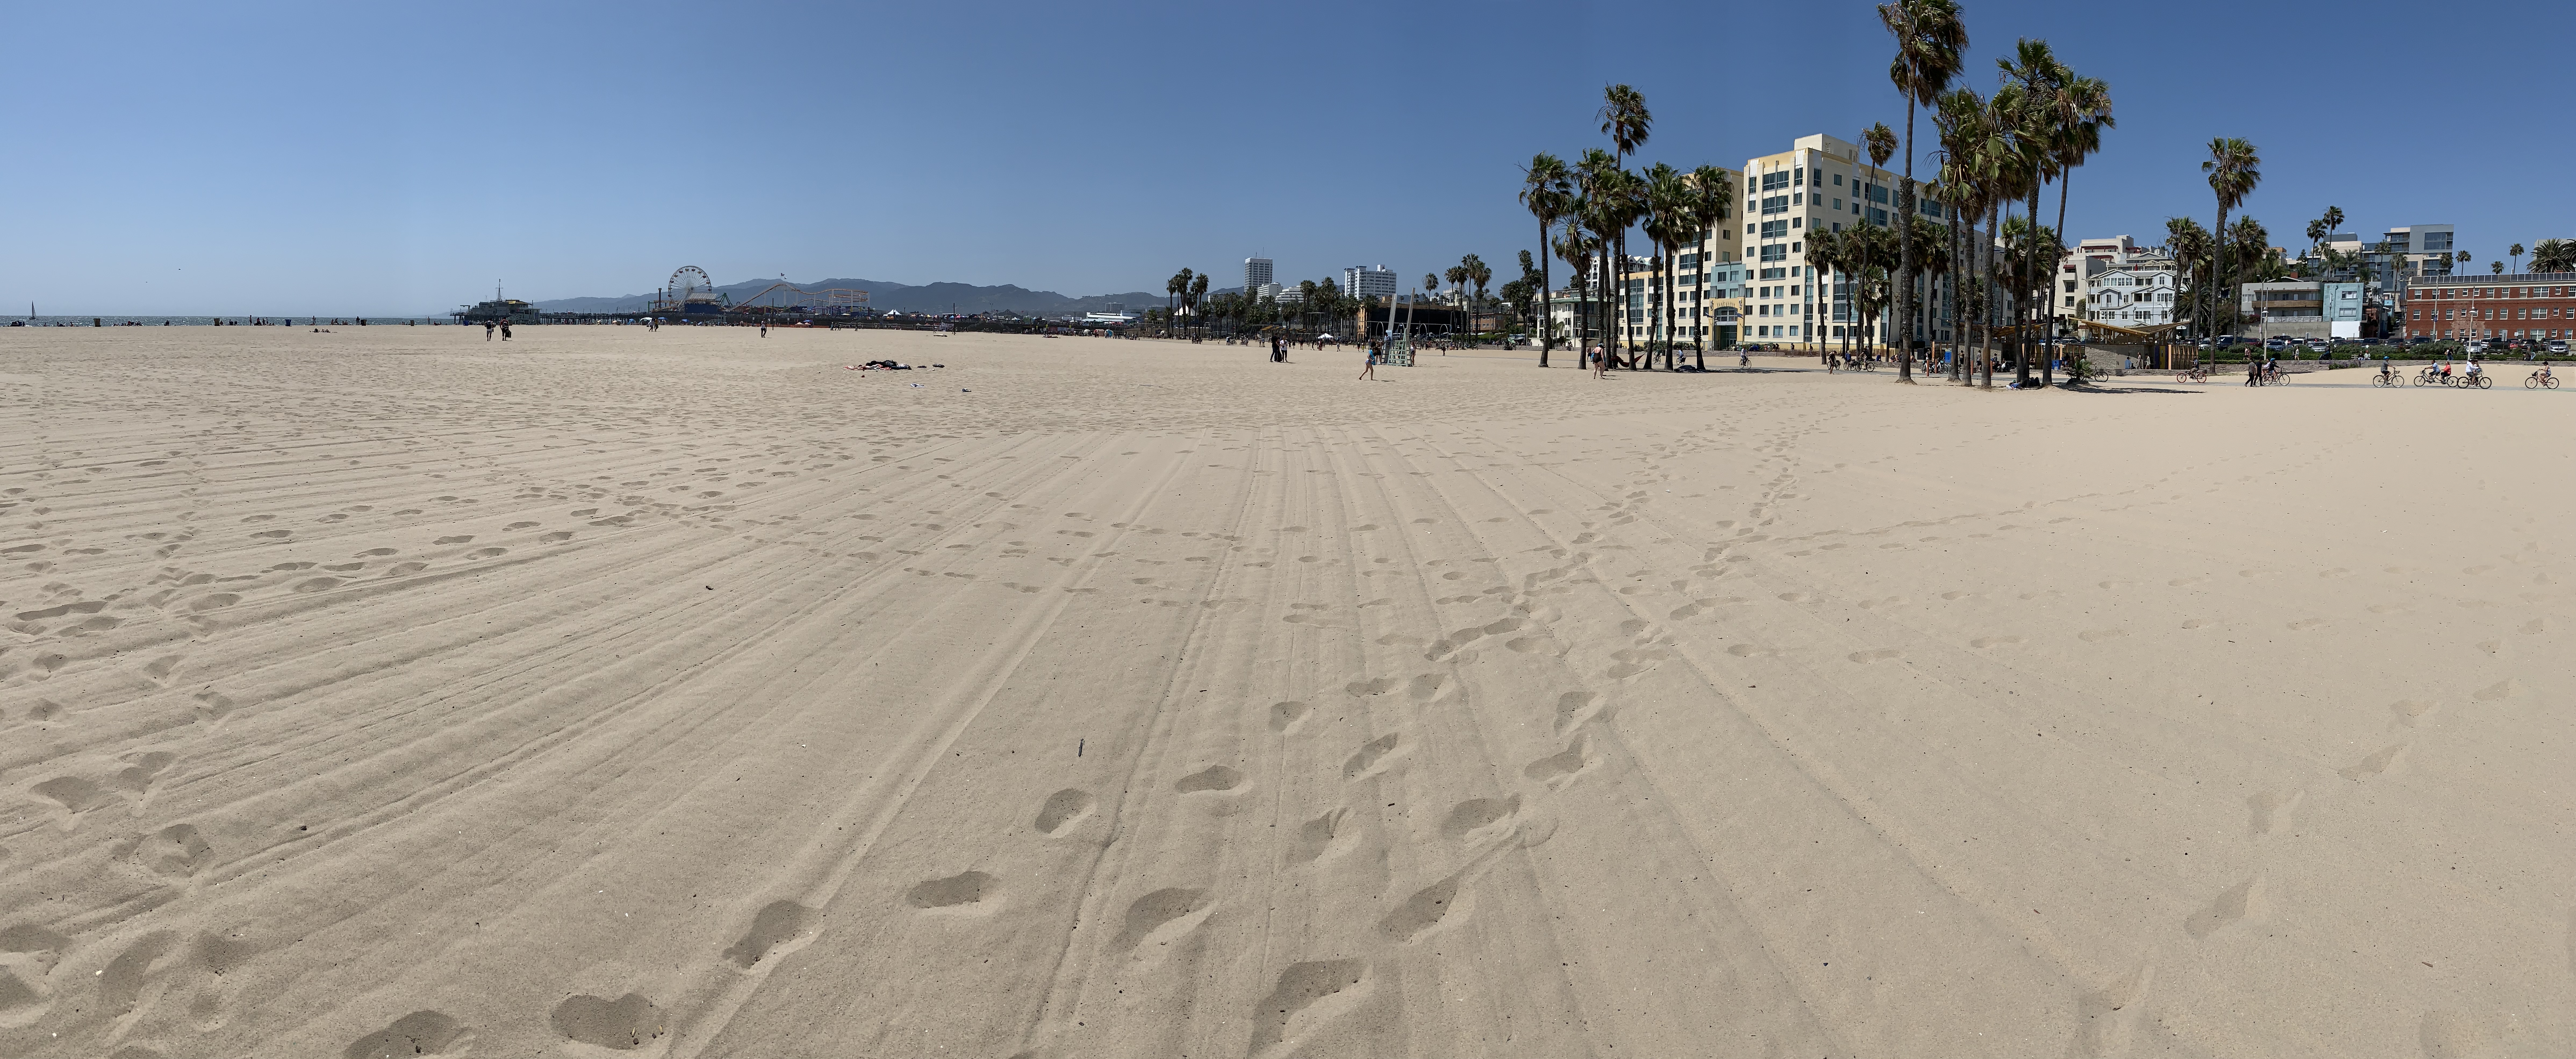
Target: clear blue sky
400, 158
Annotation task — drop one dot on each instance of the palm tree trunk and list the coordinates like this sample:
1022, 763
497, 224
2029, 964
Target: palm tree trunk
1699, 317
1546, 300
2217, 257
2062, 180
2031, 275
1994, 289
1905, 253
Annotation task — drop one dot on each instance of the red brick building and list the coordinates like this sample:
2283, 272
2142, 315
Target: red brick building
2525, 305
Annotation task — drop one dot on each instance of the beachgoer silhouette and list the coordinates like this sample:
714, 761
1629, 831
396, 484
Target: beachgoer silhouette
487, 330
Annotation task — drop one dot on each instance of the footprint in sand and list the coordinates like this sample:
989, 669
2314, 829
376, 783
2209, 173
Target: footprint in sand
2241, 902
2387, 758
1558, 769
1746, 650
2195, 623
421, 1033
2272, 810
1429, 907
1157, 919
1307, 996
1211, 778
1330, 833
1064, 809
1284, 716
465, 539
1470, 819
1879, 655
778, 924
972, 891
1994, 641
1372, 756
1576, 707
2411, 712
624, 1024
2496, 692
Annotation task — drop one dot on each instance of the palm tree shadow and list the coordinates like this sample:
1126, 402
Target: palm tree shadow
2110, 390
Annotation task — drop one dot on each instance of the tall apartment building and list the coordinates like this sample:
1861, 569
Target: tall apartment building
1369, 281
1820, 182
1256, 274
2413, 250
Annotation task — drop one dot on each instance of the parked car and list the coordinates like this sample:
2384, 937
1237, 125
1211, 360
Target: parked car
2558, 347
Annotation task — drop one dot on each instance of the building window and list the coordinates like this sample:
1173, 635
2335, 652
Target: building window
1797, 222
1838, 182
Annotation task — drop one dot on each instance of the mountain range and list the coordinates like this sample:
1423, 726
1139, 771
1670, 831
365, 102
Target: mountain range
964, 298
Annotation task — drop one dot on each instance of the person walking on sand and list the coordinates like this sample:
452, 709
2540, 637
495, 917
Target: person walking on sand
764, 330
505, 330
1600, 357
1368, 371
487, 330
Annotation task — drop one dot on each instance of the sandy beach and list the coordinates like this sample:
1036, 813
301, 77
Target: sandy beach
393, 692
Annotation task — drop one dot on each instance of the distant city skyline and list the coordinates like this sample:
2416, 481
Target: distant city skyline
202, 160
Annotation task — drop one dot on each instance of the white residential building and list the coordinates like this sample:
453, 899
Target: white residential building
2135, 298
1369, 281
2078, 274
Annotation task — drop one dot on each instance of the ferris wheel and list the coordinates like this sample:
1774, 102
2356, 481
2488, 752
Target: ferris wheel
689, 280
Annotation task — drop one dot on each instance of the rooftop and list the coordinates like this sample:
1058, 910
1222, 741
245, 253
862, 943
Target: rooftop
2490, 279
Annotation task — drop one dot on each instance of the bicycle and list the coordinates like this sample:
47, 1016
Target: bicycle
2479, 381
2196, 374
2540, 380
2387, 377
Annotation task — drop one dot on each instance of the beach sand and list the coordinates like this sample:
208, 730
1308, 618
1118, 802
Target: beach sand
392, 692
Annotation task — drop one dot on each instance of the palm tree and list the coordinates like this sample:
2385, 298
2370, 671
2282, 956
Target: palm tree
1712, 196
2516, 254
1882, 145
1825, 257
2464, 257
1958, 118
2004, 166
2496, 267
1547, 191
2083, 106
1929, 39
1478, 273
1172, 289
2553, 255
2188, 244
1457, 276
1625, 121
1668, 225
1575, 247
1618, 203
2036, 77
1198, 291
2234, 169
